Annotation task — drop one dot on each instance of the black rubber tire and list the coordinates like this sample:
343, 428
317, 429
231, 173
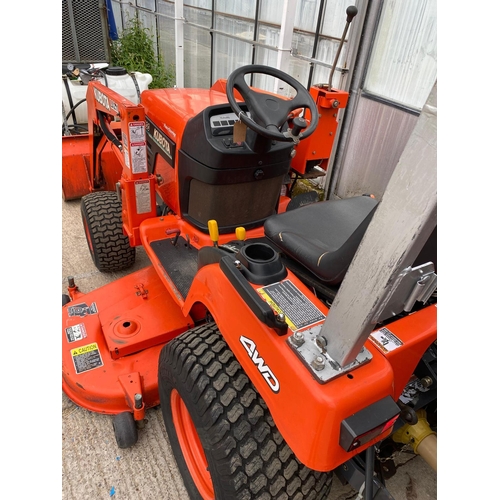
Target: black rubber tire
126, 434
246, 454
65, 299
102, 221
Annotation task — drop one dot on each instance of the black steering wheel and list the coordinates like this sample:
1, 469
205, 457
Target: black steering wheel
268, 111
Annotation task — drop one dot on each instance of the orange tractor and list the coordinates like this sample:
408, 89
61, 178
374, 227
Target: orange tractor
236, 327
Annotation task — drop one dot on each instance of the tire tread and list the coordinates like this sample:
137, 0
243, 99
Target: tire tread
252, 460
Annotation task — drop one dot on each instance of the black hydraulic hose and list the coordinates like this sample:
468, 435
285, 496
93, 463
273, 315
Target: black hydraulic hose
137, 89
103, 75
70, 99
75, 124
107, 131
369, 467
71, 111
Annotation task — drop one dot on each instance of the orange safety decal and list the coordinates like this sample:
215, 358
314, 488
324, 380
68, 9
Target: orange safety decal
385, 340
285, 298
82, 310
76, 332
86, 358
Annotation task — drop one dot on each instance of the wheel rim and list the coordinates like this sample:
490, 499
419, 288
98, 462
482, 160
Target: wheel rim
191, 447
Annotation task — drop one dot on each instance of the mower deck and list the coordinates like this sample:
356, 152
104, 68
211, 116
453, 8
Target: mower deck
109, 357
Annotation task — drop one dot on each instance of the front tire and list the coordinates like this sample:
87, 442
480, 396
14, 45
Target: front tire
102, 221
125, 430
222, 434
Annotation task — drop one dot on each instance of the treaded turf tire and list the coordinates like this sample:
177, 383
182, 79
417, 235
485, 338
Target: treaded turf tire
102, 221
246, 456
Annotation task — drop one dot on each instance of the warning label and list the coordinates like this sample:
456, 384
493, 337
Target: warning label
138, 147
385, 340
86, 358
286, 298
137, 132
142, 197
139, 163
76, 332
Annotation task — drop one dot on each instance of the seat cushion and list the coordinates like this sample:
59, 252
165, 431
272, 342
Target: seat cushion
323, 236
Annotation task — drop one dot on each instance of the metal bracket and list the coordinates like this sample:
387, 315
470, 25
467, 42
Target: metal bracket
353, 472
310, 347
412, 285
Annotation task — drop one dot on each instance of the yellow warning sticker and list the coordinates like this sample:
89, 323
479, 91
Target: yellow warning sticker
86, 357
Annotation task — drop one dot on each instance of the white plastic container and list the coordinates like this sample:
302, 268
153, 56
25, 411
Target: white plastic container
117, 79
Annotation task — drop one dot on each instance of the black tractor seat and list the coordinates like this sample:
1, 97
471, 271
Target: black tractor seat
323, 237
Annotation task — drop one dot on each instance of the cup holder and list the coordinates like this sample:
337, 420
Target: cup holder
262, 265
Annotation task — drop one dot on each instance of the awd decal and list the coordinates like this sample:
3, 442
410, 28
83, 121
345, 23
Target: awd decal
259, 362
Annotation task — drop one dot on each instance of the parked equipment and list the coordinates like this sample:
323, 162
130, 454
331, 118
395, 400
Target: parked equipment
230, 327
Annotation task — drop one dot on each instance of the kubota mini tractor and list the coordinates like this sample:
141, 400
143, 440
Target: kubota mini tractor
245, 327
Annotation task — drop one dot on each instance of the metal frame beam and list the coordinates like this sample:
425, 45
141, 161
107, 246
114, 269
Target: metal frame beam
285, 40
179, 43
404, 220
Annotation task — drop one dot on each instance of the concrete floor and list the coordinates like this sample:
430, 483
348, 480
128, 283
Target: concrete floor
94, 468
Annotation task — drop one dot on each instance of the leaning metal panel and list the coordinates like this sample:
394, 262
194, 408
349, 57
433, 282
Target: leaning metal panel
84, 31
309, 345
412, 285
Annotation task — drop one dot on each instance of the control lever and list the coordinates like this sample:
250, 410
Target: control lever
299, 124
213, 230
351, 14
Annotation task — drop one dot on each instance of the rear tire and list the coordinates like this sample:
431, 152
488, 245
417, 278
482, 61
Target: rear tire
216, 421
102, 221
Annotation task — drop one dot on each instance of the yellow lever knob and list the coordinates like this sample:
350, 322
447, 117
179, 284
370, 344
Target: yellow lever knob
241, 233
213, 230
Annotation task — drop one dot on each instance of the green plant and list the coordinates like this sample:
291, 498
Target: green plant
134, 50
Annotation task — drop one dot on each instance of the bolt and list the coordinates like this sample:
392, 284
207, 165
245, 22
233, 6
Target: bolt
237, 263
297, 339
71, 281
335, 104
426, 382
321, 342
318, 363
280, 318
138, 401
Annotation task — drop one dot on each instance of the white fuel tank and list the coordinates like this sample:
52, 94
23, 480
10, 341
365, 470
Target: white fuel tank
74, 92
